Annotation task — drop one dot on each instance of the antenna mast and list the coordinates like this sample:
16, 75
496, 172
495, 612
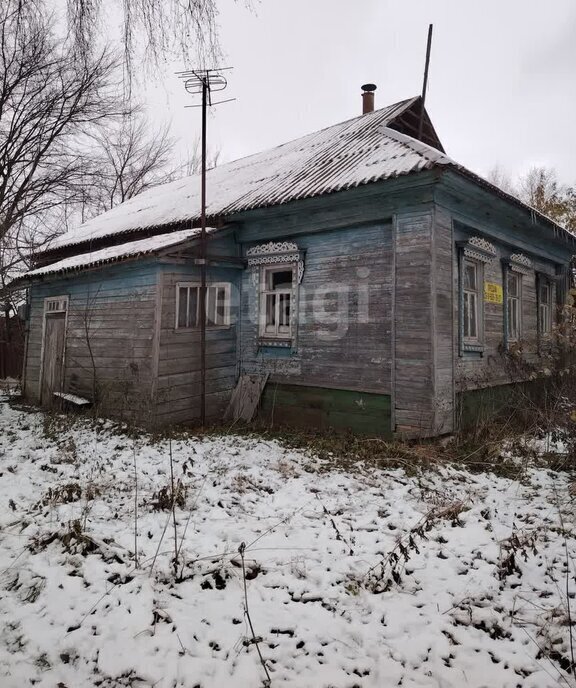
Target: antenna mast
203, 82
425, 84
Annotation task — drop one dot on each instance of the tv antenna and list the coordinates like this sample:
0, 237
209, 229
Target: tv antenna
203, 82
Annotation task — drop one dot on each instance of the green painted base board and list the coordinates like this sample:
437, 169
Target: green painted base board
478, 406
323, 408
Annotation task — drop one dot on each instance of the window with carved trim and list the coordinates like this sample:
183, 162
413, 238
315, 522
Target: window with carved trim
471, 301
277, 268
277, 289
474, 255
188, 305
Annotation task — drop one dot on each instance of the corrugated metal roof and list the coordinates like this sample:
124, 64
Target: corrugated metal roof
112, 254
348, 154
345, 155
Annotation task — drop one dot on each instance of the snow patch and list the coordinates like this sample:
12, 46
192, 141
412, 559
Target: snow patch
75, 610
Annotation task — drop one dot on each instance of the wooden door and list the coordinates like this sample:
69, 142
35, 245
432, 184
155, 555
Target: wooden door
53, 361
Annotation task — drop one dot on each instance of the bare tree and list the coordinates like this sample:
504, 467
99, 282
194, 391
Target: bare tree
569, 219
59, 97
48, 100
502, 179
130, 157
188, 27
193, 163
18, 247
540, 188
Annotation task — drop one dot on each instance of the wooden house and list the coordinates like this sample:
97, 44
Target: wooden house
369, 279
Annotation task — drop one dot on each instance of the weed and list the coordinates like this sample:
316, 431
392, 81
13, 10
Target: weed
28, 588
62, 494
390, 568
162, 499
517, 545
68, 453
75, 541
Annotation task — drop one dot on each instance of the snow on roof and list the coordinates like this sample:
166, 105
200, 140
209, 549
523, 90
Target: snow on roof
345, 155
115, 253
349, 154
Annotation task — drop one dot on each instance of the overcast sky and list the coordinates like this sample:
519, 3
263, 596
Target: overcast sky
502, 80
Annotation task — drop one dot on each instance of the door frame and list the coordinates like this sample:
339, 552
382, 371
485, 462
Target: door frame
52, 304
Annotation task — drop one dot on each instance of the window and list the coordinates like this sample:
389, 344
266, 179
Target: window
188, 305
473, 255
277, 268
56, 304
513, 306
544, 307
471, 301
276, 296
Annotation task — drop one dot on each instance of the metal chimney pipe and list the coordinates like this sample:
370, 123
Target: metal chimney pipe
368, 98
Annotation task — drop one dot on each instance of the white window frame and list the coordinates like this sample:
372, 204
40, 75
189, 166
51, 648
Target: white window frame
56, 304
475, 295
513, 308
265, 292
225, 321
544, 323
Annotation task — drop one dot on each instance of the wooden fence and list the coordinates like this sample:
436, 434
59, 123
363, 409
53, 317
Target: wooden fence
11, 347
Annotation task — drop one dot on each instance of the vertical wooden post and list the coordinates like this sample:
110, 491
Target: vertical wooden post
203, 260
203, 81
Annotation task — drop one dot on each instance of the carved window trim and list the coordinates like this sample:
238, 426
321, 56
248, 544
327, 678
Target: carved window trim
517, 265
261, 258
277, 338
276, 253
480, 249
471, 345
521, 264
482, 252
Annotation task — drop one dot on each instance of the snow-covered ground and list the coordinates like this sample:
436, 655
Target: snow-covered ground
331, 597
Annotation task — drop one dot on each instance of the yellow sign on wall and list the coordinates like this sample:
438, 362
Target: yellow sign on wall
493, 293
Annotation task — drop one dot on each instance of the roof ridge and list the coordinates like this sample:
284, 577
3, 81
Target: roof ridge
405, 102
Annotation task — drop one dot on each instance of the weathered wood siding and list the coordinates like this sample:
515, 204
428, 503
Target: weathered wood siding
443, 323
476, 212
177, 388
340, 342
363, 205
349, 245
109, 329
423, 361
474, 371
413, 356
